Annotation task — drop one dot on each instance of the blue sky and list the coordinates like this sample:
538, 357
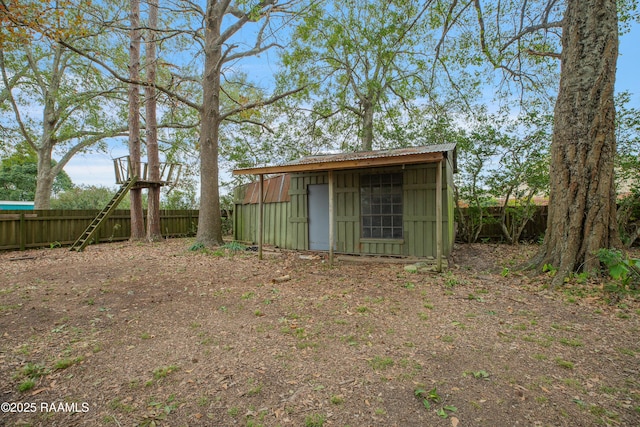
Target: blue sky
97, 169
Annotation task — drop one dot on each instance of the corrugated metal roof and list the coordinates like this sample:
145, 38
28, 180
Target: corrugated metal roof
358, 155
360, 159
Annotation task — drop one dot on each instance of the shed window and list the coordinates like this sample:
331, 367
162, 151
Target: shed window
381, 206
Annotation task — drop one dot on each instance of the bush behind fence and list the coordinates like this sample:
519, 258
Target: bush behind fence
491, 230
20, 230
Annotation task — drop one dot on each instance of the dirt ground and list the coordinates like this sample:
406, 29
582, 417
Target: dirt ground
128, 334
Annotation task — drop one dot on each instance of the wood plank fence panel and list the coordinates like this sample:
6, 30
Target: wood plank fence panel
20, 230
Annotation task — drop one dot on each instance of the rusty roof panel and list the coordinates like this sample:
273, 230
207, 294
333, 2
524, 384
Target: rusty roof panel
276, 189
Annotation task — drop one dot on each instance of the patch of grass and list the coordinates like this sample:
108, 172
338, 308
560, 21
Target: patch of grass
256, 389
479, 375
362, 309
571, 342
573, 383
163, 371
379, 363
564, 363
608, 390
299, 333
314, 420
145, 336
539, 356
412, 368
117, 405
248, 295
233, 411
458, 324
626, 351
163, 408
198, 247
604, 414
203, 401
451, 280
428, 306
301, 345
423, 316
337, 399
446, 338
66, 362
24, 349
351, 340
26, 385
33, 370
472, 297
519, 327
234, 246
542, 341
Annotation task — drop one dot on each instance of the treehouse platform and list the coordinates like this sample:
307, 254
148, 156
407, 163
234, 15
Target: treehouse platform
125, 172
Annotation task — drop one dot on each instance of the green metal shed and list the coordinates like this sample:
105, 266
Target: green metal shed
370, 203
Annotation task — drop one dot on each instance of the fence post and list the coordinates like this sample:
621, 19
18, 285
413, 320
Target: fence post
23, 233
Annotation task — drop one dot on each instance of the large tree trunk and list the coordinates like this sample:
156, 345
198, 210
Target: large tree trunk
209, 220
136, 210
51, 117
582, 209
153, 208
44, 182
367, 125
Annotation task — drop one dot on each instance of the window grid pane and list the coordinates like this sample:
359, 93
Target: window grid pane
381, 206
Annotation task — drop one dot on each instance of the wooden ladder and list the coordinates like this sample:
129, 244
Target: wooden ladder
85, 238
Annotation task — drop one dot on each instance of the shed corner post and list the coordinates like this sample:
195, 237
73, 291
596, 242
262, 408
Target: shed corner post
439, 243
331, 218
261, 216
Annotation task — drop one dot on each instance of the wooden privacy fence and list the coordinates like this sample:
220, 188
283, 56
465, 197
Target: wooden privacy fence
40, 228
34, 229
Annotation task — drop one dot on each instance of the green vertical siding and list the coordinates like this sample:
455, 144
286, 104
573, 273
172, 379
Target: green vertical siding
276, 230
347, 206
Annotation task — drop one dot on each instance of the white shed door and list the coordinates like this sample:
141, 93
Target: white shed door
319, 217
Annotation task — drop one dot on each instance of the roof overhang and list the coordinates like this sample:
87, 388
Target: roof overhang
328, 163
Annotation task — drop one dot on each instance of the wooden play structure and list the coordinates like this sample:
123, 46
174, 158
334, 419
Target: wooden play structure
169, 175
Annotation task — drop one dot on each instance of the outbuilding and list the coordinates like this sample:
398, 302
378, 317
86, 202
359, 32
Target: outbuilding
396, 202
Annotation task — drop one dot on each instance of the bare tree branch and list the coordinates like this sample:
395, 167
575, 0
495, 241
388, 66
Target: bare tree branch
257, 104
123, 79
14, 105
